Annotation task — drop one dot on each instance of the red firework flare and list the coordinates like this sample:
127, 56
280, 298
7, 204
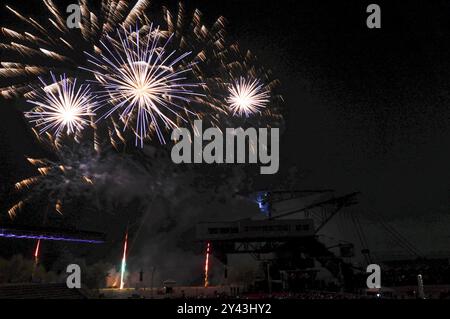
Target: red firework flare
208, 251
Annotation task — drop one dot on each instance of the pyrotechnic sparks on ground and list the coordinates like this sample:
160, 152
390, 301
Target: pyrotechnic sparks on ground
143, 81
207, 265
124, 262
62, 106
247, 96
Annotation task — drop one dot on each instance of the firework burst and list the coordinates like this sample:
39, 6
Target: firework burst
50, 45
247, 96
143, 81
62, 106
60, 180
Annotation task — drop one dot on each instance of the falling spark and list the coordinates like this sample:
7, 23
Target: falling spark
26, 183
51, 54
66, 109
143, 81
247, 96
123, 267
12, 212
207, 265
88, 180
58, 206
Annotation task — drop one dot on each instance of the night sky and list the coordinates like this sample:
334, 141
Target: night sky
366, 110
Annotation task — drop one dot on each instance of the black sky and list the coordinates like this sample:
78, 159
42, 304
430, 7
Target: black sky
367, 110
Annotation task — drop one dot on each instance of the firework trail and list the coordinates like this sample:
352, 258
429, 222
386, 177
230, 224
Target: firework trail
68, 109
144, 81
36, 252
207, 265
124, 262
36, 258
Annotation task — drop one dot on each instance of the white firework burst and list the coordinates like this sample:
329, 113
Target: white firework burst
143, 81
247, 96
62, 106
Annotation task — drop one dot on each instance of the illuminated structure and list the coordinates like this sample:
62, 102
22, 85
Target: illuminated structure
286, 247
